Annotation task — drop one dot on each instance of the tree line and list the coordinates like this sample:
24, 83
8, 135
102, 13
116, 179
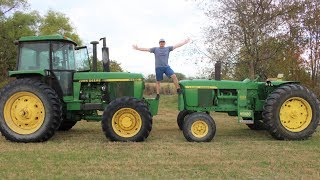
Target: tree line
16, 20
151, 78
264, 37
248, 37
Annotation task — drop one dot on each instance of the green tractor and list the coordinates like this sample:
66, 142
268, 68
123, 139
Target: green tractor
53, 89
288, 110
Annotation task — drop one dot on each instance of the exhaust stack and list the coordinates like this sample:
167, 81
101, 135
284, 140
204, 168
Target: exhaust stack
94, 58
217, 71
105, 56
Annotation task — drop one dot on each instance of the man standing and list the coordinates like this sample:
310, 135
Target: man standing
161, 54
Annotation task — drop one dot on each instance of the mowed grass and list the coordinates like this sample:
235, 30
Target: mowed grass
235, 153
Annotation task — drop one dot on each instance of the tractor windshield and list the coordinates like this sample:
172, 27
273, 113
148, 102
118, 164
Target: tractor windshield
34, 56
63, 56
82, 59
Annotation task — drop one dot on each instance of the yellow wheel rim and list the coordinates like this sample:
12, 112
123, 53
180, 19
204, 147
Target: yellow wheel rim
199, 129
24, 113
126, 122
295, 114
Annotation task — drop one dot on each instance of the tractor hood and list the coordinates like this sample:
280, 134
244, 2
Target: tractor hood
226, 84
214, 84
106, 76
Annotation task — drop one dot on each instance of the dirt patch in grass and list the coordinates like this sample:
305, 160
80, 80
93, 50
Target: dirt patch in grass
235, 152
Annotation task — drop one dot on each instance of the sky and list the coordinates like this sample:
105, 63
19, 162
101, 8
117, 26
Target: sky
141, 22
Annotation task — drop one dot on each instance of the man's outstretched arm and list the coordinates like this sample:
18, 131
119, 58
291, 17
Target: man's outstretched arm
140, 49
181, 43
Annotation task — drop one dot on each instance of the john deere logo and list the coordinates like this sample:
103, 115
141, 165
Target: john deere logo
109, 80
201, 87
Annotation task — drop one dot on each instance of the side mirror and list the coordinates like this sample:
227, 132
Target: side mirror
16, 42
80, 47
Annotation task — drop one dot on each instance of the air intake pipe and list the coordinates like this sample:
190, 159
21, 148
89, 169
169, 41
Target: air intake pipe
94, 57
217, 71
105, 56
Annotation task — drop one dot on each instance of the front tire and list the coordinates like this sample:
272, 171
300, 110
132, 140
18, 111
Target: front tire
30, 111
291, 112
127, 119
181, 118
199, 127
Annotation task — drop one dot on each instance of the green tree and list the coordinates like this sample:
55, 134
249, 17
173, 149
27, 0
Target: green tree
58, 23
311, 25
114, 66
263, 37
286, 60
15, 26
8, 6
247, 24
151, 78
10, 28
180, 76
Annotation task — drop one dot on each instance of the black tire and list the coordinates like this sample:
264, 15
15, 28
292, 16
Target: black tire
67, 122
66, 125
41, 97
295, 126
181, 118
204, 122
139, 117
258, 125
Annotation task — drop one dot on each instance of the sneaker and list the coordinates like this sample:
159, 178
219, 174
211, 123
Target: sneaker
158, 97
179, 91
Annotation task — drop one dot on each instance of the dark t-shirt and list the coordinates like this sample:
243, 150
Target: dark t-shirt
161, 55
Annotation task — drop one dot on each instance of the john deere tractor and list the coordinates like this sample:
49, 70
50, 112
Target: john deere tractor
54, 88
288, 110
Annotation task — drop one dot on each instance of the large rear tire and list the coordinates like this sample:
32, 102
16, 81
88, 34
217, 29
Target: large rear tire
127, 119
30, 111
291, 112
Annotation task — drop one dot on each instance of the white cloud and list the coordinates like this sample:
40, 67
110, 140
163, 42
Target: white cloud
125, 22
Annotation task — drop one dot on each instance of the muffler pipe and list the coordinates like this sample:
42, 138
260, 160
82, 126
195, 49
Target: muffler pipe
94, 58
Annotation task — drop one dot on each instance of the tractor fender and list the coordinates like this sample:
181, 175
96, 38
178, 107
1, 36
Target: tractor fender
26, 73
280, 83
180, 102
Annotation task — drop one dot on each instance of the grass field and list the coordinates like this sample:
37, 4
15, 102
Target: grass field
235, 153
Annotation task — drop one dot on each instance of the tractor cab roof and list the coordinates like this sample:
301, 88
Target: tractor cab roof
56, 37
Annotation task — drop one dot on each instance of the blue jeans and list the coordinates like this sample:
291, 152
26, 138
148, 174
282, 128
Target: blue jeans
163, 70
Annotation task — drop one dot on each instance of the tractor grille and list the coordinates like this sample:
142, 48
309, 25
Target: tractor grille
120, 89
205, 98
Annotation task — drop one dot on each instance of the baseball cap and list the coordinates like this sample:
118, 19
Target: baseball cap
162, 40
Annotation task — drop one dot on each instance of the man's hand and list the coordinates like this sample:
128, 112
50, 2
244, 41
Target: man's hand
135, 47
181, 43
140, 49
186, 41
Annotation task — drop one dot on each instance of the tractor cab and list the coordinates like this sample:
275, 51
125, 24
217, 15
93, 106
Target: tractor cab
54, 55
